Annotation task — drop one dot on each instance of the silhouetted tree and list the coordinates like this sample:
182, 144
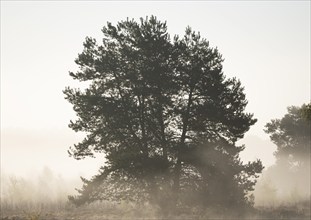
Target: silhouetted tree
164, 115
292, 136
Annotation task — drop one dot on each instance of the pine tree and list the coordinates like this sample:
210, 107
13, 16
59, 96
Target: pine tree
164, 115
292, 136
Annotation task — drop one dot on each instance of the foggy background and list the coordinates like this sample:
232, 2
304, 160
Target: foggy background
265, 44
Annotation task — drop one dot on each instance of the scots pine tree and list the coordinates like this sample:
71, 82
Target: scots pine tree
165, 116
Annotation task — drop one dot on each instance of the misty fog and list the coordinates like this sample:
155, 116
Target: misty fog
276, 186
279, 185
47, 191
155, 110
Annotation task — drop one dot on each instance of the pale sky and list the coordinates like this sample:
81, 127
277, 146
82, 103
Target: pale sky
265, 44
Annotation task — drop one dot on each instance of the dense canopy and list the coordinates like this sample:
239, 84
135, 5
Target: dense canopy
164, 115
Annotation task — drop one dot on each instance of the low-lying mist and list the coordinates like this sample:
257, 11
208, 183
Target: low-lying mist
47, 191
41, 190
283, 185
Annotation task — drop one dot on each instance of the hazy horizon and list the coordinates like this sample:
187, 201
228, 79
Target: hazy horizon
265, 44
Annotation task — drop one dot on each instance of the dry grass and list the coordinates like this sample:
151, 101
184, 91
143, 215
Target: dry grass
109, 211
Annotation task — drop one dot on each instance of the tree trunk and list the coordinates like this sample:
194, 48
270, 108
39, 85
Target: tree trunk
176, 187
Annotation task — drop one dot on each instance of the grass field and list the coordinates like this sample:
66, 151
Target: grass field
109, 211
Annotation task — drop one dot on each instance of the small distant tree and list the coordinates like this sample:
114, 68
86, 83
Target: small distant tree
292, 136
164, 115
